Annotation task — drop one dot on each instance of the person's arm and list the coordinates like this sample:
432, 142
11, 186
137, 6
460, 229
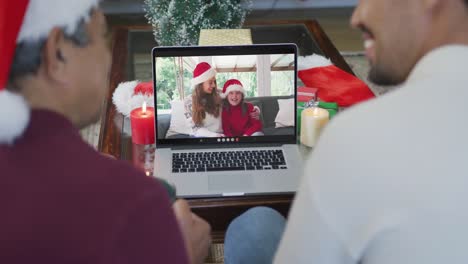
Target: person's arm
255, 124
147, 233
307, 237
256, 113
195, 230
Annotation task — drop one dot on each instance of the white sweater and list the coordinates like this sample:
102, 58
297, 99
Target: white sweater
388, 181
212, 126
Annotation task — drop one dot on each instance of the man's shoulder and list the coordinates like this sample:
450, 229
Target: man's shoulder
121, 175
367, 118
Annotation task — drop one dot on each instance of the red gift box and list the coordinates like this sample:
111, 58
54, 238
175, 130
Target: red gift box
305, 94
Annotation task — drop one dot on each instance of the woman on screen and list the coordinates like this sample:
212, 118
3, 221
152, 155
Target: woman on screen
203, 108
236, 118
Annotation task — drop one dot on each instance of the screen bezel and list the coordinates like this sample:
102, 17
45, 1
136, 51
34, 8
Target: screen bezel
257, 49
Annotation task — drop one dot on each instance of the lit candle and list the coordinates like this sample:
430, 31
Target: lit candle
313, 120
142, 122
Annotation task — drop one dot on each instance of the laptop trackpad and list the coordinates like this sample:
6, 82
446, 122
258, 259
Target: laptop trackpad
230, 182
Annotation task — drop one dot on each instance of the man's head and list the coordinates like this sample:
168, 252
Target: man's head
398, 33
61, 60
65, 71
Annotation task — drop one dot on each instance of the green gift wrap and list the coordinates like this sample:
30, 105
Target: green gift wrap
331, 107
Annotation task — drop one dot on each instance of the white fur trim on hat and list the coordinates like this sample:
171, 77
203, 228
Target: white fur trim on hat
204, 77
232, 88
312, 61
43, 15
14, 116
125, 100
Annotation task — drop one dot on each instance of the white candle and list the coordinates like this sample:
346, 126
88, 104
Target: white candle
313, 120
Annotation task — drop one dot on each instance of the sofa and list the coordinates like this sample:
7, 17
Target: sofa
268, 110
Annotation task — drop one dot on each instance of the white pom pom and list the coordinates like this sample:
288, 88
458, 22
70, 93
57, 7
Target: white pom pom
137, 101
14, 116
312, 61
122, 95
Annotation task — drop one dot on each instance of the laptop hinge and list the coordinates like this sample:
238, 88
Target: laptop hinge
213, 146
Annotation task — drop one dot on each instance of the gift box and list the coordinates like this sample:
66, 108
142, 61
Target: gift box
306, 94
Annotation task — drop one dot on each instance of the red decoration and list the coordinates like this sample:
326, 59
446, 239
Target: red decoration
336, 85
142, 122
144, 88
12, 14
306, 94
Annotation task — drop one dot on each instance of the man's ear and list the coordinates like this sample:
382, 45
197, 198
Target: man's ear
55, 57
431, 5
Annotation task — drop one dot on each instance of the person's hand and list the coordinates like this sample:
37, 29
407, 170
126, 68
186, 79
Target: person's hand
108, 155
256, 113
195, 230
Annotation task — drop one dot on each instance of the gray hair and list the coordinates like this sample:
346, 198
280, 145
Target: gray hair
28, 54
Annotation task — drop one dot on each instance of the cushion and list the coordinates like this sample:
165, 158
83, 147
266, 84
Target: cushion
285, 116
178, 124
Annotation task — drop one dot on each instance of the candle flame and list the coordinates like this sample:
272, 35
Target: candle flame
148, 173
144, 108
316, 111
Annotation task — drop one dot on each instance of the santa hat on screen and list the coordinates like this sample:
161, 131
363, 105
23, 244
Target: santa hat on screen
29, 20
202, 72
130, 95
231, 86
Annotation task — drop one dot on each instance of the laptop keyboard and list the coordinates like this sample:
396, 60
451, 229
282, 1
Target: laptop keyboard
228, 161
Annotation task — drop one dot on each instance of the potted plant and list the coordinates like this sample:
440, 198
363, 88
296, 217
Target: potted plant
178, 22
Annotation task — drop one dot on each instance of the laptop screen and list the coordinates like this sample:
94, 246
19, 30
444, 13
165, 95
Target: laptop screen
225, 95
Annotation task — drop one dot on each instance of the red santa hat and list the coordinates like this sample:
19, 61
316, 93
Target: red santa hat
130, 95
202, 72
29, 20
231, 86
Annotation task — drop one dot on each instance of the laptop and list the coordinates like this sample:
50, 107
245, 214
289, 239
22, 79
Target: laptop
220, 164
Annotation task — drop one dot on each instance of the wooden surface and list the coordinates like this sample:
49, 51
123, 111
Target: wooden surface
218, 211
110, 136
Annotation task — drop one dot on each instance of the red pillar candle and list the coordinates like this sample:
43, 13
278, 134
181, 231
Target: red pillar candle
142, 122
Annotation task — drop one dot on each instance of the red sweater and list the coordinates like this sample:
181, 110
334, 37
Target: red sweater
63, 202
236, 124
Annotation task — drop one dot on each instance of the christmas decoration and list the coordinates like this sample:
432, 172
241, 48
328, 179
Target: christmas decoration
231, 86
202, 72
131, 95
178, 22
333, 84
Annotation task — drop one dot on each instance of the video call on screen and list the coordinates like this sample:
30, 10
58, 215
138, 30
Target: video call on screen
268, 84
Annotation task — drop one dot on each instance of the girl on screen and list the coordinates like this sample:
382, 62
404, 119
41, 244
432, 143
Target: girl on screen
236, 114
203, 108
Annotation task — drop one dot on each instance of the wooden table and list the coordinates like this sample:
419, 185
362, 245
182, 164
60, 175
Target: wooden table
114, 138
